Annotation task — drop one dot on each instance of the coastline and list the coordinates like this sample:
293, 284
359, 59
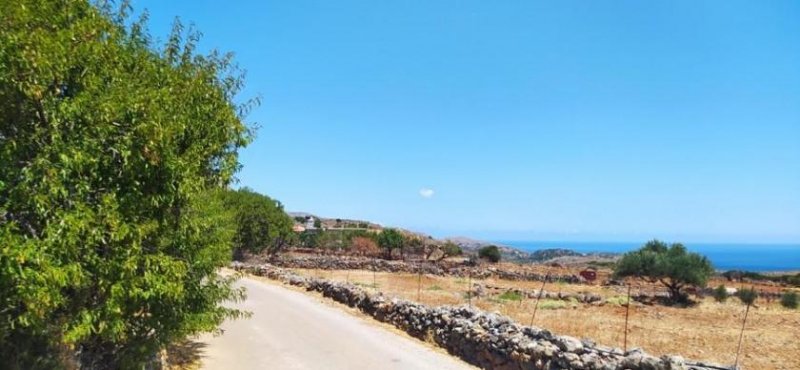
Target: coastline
766, 258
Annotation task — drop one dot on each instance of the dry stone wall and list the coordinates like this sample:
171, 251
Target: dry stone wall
432, 268
486, 340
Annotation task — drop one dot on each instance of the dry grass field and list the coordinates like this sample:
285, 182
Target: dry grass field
707, 331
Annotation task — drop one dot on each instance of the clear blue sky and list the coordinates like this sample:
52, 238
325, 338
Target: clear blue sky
559, 120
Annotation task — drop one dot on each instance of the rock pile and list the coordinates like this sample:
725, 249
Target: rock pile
487, 340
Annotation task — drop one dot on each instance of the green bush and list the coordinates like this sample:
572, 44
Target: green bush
511, 295
790, 300
747, 296
619, 300
552, 304
490, 253
721, 293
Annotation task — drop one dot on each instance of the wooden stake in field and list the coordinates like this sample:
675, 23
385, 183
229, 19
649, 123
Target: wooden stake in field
741, 335
469, 287
419, 283
627, 312
538, 297
748, 298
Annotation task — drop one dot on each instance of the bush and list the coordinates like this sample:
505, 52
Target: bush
721, 293
790, 300
552, 304
747, 296
619, 300
511, 295
490, 253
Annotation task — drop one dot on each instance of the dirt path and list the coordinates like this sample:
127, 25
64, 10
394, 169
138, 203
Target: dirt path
292, 330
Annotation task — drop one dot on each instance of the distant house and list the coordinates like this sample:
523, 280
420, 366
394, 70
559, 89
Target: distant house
310, 223
298, 228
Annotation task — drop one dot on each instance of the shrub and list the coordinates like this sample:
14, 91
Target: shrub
790, 300
490, 253
619, 300
747, 296
552, 304
511, 295
720, 293
364, 246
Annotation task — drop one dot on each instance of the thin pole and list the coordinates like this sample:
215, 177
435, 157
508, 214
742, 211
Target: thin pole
741, 335
419, 282
469, 287
627, 312
538, 297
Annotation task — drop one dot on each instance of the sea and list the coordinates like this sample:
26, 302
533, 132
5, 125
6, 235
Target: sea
724, 256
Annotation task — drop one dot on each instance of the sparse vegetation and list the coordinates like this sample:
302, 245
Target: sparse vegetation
790, 300
552, 304
657, 329
511, 295
720, 293
738, 275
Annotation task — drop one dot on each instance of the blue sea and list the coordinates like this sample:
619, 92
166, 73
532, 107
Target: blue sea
750, 257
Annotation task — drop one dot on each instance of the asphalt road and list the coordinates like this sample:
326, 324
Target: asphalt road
293, 330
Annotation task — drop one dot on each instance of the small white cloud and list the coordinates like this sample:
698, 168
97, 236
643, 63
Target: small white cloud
426, 193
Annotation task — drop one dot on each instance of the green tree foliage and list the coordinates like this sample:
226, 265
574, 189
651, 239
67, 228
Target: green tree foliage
448, 249
671, 265
310, 239
720, 293
790, 300
490, 253
451, 249
109, 146
261, 223
390, 239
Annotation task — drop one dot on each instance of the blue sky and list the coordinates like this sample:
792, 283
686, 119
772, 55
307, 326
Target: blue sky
559, 120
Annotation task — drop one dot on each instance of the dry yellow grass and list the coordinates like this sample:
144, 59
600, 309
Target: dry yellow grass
708, 331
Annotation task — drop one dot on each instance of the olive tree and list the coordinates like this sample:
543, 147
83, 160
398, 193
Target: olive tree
490, 253
391, 239
671, 265
109, 145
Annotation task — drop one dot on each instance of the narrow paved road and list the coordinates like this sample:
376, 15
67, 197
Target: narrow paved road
292, 330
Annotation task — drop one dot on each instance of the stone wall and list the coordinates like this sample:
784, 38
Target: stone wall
486, 340
433, 268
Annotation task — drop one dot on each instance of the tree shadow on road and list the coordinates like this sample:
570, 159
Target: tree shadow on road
185, 355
